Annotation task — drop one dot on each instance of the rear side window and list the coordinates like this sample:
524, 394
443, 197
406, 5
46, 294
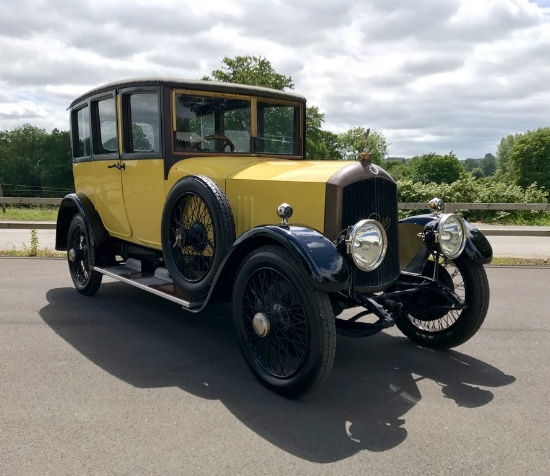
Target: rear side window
81, 132
142, 123
105, 126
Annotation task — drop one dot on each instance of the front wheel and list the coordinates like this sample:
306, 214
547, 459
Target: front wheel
80, 256
285, 327
443, 330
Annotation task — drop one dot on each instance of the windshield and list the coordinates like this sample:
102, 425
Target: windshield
215, 123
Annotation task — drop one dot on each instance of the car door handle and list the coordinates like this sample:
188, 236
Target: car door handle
117, 166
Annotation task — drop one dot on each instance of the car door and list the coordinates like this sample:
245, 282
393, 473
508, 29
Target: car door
107, 167
142, 163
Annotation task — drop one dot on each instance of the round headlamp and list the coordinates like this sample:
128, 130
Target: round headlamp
367, 244
451, 235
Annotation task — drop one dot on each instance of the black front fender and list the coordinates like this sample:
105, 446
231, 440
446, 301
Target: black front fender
478, 248
323, 263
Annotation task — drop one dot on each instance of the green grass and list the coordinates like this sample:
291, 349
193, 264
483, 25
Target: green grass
520, 262
26, 252
33, 213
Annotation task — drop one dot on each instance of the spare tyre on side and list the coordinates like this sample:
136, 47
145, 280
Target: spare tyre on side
198, 230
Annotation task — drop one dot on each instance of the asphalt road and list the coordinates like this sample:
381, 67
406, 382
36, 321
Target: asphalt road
126, 383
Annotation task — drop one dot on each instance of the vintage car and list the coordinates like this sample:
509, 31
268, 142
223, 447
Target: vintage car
199, 192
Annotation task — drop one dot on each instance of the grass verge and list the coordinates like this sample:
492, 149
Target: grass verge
520, 261
33, 213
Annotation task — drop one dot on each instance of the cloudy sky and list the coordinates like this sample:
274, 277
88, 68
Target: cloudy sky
431, 75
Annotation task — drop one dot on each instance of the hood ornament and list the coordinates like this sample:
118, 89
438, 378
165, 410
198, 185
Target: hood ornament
365, 156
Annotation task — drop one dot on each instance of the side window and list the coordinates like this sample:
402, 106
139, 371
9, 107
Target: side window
105, 126
278, 129
143, 122
81, 132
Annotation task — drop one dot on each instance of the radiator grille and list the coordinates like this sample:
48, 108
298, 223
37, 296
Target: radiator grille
374, 198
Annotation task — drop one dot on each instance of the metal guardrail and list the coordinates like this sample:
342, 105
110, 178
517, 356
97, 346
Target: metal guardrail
453, 207
449, 207
29, 201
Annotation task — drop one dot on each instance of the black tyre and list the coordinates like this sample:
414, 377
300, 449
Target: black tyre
285, 327
197, 232
80, 256
443, 330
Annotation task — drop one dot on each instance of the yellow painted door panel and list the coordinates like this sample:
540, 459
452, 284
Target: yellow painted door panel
144, 195
85, 181
110, 199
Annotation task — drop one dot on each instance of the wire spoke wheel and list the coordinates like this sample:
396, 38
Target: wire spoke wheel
285, 326
197, 233
282, 351
192, 237
435, 321
442, 328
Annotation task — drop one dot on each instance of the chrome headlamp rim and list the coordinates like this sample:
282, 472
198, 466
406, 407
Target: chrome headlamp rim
441, 225
352, 236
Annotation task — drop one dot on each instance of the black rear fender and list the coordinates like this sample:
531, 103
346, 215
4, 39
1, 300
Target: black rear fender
70, 206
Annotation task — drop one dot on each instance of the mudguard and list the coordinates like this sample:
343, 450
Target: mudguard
478, 248
70, 206
326, 267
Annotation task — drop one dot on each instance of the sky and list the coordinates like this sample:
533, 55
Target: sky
433, 76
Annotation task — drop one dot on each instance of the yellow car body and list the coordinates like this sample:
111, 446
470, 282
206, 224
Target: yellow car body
199, 191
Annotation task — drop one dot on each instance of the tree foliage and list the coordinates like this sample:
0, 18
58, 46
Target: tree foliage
481, 168
436, 168
320, 144
34, 162
469, 190
353, 142
258, 71
503, 151
252, 70
529, 159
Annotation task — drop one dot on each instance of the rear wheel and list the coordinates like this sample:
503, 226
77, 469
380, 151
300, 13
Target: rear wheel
285, 326
440, 329
80, 256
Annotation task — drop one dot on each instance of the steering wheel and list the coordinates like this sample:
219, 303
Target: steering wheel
228, 141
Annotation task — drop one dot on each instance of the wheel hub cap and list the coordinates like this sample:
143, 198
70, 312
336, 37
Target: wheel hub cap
260, 323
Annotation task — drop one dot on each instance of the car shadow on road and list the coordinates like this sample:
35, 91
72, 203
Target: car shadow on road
149, 342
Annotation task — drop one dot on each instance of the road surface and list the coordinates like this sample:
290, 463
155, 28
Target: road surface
126, 383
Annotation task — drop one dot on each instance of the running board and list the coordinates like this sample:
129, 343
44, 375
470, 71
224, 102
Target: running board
158, 283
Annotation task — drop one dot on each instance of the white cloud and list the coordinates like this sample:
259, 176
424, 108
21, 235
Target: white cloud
432, 76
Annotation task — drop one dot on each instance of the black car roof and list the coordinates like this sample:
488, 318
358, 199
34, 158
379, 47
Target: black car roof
200, 85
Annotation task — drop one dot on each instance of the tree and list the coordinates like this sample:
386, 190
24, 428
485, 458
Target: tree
488, 165
352, 143
320, 144
503, 150
35, 163
528, 158
258, 71
57, 164
253, 70
436, 168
